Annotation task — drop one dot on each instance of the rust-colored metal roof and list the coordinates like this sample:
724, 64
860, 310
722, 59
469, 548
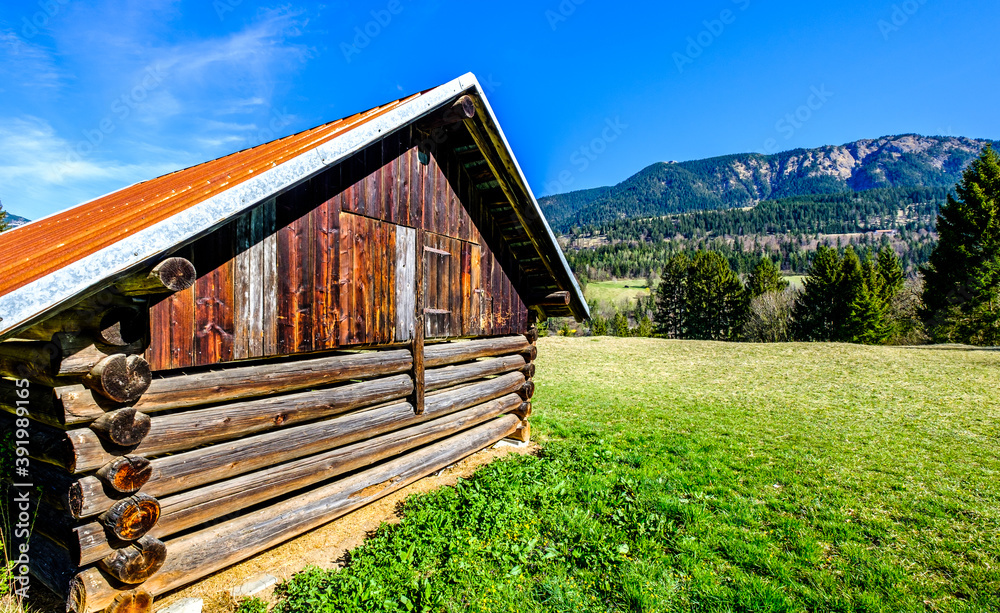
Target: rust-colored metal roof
37, 249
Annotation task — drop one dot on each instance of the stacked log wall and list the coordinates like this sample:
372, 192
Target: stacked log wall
310, 436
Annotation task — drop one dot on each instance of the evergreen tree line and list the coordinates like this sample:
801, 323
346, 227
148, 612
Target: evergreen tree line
786, 230
792, 253
845, 299
906, 209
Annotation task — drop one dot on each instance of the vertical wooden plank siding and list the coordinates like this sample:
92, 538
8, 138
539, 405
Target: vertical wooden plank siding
346, 328
269, 283
334, 262
405, 284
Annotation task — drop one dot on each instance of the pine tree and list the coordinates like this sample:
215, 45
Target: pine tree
962, 279
867, 320
717, 302
818, 310
619, 325
3, 219
598, 325
671, 297
890, 269
765, 278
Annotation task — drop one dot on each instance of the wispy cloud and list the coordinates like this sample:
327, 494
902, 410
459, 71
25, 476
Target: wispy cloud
27, 65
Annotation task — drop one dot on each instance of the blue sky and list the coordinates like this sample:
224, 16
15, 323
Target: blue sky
96, 95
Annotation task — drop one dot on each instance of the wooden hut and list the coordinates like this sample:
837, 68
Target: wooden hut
217, 360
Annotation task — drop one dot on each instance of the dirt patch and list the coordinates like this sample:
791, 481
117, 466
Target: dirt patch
325, 546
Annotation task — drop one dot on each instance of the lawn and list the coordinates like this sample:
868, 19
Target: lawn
690, 476
613, 292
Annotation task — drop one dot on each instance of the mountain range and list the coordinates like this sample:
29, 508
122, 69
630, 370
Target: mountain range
743, 180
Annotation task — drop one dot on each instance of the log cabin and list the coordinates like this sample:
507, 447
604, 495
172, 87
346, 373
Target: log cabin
217, 360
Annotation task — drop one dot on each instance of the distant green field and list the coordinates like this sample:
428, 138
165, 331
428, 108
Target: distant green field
613, 292
795, 281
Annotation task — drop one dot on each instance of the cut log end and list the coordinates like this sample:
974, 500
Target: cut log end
523, 411
532, 334
132, 601
175, 274
464, 108
126, 474
522, 434
132, 517
527, 390
119, 377
123, 428
530, 353
137, 562
528, 370
170, 275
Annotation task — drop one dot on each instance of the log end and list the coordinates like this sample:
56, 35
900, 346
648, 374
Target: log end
464, 108
522, 434
132, 601
527, 390
137, 562
530, 353
532, 334
121, 378
176, 274
132, 518
528, 370
126, 474
123, 428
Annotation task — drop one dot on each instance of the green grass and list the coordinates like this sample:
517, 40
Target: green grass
613, 292
691, 476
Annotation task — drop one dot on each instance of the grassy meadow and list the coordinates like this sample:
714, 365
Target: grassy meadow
697, 476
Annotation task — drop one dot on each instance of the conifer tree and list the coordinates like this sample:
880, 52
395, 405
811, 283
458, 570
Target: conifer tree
962, 278
671, 297
890, 269
818, 309
3, 219
765, 278
619, 325
717, 304
867, 320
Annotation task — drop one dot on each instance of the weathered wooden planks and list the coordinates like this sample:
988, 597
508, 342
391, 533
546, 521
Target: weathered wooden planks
297, 280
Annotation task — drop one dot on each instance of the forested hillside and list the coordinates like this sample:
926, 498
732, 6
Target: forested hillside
744, 180
788, 230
